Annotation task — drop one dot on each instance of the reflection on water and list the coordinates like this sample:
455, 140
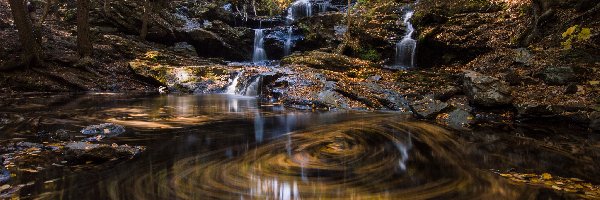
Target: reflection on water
232, 147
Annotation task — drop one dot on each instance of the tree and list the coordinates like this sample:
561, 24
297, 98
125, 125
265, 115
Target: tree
147, 10
84, 45
31, 48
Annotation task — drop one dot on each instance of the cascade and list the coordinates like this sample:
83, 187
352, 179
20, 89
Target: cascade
300, 8
253, 88
231, 89
287, 46
259, 53
406, 48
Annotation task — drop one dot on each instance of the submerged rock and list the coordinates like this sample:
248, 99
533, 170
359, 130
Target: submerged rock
106, 129
486, 90
83, 152
57, 136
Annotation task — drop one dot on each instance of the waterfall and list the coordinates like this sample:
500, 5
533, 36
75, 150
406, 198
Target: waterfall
300, 8
287, 46
259, 53
231, 89
406, 48
254, 88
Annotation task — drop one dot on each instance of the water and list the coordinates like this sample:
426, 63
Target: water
259, 54
287, 46
298, 9
253, 88
232, 88
234, 147
407, 47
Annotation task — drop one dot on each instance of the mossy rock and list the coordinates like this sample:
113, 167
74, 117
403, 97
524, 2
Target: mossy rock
328, 61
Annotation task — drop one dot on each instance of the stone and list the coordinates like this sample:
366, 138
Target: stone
486, 90
557, 75
4, 175
427, 107
57, 136
83, 152
106, 129
571, 89
184, 48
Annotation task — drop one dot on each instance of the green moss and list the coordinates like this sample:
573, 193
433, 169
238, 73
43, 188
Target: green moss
369, 54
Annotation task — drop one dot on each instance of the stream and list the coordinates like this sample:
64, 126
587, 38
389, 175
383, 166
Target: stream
233, 147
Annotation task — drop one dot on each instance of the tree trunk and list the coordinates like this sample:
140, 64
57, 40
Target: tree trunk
84, 45
106, 6
31, 48
147, 10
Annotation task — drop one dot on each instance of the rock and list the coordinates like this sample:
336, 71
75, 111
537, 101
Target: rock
27, 145
458, 119
163, 90
322, 60
571, 89
486, 90
221, 41
83, 152
557, 75
184, 48
522, 55
104, 130
427, 107
4, 175
57, 136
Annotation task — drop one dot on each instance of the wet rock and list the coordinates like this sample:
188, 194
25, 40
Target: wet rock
557, 75
4, 174
427, 107
56, 136
27, 145
486, 90
460, 102
458, 119
83, 152
104, 130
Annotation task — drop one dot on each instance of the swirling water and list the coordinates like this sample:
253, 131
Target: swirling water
233, 147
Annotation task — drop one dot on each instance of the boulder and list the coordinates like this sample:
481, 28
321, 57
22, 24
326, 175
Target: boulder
427, 107
557, 75
486, 90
